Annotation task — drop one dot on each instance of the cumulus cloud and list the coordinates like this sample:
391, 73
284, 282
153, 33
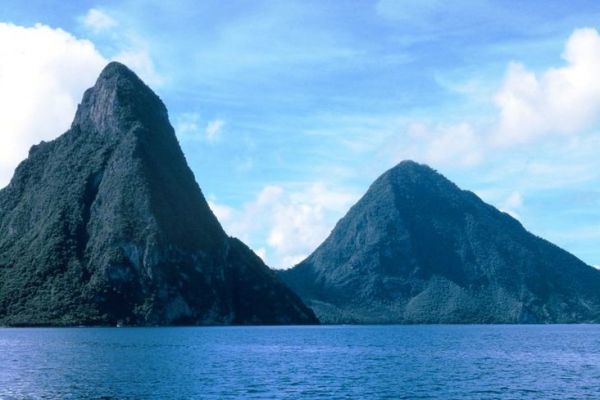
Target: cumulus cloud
558, 100
457, 144
512, 204
98, 21
43, 74
222, 212
262, 253
514, 200
213, 129
529, 106
285, 226
188, 126
437, 144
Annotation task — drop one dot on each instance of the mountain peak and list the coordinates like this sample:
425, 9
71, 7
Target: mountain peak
411, 168
410, 177
404, 164
118, 100
115, 69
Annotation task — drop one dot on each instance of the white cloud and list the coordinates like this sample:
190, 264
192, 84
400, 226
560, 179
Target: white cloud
222, 212
439, 145
512, 204
213, 130
454, 144
286, 226
514, 200
558, 100
530, 106
262, 253
188, 126
98, 21
43, 74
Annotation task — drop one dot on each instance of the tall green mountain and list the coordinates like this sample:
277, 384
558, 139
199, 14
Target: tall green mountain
107, 224
417, 249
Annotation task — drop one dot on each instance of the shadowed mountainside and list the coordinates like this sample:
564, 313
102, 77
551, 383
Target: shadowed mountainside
107, 224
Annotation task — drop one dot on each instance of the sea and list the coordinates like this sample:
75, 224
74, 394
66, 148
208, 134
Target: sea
302, 362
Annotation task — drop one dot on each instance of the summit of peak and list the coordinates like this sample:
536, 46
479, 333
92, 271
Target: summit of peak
115, 68
411, 166
410, 171
119, 98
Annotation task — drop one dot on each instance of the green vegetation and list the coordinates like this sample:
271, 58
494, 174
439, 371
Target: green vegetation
417, 249
107, 225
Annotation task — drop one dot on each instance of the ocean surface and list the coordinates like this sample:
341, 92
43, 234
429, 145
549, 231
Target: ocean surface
320, 362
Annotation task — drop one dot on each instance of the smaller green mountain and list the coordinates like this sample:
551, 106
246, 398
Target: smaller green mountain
417, 249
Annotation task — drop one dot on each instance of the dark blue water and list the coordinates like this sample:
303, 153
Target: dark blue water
374, 362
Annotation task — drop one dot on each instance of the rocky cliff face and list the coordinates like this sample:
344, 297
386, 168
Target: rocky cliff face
106, 224
417, 249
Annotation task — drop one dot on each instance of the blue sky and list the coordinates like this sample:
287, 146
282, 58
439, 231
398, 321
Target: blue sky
287, 110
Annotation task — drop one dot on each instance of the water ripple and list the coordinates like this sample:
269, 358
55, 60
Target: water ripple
328, 362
